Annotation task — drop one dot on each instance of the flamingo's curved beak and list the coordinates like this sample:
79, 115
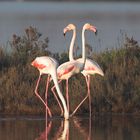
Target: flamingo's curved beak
94, 29
96, 33
65, 30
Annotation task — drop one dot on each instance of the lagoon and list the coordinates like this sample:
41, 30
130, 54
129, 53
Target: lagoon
104, 127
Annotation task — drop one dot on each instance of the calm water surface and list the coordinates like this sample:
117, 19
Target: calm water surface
78, 128
111, 20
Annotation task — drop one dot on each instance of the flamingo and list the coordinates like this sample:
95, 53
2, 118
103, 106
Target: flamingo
91, 67
69, 27
48, 65
68, 69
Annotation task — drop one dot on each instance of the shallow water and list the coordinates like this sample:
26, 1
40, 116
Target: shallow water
107, 127
111, 20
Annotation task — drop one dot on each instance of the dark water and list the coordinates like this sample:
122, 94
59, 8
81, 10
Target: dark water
111, 20
78, 128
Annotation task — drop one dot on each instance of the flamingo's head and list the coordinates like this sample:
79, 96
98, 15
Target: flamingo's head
88, 26
33, 63
69, 28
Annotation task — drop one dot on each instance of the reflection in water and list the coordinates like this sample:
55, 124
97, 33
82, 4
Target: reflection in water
44, 135
20, 128
65, 132
61, 134
107, 127
79, 125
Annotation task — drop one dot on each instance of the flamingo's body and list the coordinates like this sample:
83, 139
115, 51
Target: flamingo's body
90, 68
48, 65
68, 69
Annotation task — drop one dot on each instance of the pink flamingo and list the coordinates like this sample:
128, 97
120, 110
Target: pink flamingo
91, 67
66, 70
48, 65
69, 27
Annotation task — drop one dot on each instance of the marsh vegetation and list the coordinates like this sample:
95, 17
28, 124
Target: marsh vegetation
117, 92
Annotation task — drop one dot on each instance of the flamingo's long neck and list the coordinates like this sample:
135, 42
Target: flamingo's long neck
83, 47
72, 45
66, 113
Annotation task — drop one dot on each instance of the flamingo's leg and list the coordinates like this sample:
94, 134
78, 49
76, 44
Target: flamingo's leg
37, 94
89, 96
47, 86
53, 88
46, 96
67, 94
75, 110
82, 100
